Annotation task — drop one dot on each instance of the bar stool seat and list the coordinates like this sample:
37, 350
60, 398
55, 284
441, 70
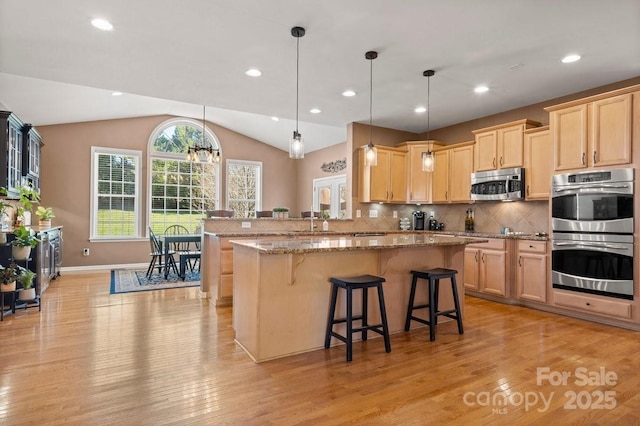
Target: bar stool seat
433, 277
362, 282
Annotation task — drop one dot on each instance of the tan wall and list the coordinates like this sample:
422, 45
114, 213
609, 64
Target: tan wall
66, 179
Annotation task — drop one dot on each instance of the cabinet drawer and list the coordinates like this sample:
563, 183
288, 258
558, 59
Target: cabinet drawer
493, 244
226, 261
593, 304
532, 246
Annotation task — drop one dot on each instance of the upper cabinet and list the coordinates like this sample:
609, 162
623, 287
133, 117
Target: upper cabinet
593, 132
32, 142
441, 176
419, 183
538, 163
452, 173
501, 147
387, 181
11, 147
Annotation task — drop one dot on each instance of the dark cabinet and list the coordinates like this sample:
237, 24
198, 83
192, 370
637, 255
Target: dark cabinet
11, 150
31, 145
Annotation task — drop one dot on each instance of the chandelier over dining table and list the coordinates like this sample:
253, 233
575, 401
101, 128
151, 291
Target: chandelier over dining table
203, 152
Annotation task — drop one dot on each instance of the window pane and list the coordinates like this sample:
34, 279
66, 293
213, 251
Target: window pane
243, 187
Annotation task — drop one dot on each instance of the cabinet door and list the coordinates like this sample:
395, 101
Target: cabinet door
441, 176
510, 142
493, 275
569, 127
485, 151
611, 131
531, 278
419, 185
471, 268
380, 177
538, 164
398, 177
460, 169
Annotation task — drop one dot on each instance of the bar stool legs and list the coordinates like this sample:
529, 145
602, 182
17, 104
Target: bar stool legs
363, 282
433, 277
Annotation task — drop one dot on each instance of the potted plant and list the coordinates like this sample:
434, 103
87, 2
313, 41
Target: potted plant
280, 213
26, 195
8, 277
25, 279
45, 214
24, 241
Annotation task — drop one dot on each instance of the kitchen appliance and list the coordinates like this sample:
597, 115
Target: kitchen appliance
418, 220
594, 201
592, 223
497, 185
433, 224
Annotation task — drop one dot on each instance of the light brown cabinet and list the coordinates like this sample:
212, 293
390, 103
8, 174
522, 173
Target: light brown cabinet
501, 147
538, 163
419, 182
452, 173
387, 181
441, 176
592, 133
531, 270
486, 267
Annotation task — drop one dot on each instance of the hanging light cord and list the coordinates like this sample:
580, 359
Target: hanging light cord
428, 107
371, 103
297, 78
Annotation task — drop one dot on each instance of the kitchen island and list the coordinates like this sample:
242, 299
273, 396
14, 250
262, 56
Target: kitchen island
281, 288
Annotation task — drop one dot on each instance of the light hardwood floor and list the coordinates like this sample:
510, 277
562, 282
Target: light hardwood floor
168, 357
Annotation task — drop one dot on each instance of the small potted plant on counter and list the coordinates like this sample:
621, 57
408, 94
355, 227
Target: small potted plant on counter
24, 241
27, 195
26, 281
45, 214
280, 213
8, 276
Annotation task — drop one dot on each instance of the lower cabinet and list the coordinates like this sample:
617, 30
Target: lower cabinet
486, 267
593, 304
531, 270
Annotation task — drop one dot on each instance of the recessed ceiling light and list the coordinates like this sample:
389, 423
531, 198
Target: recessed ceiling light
420, 109
116, 93
348, 93
102, 24
315, 111
274, 118
253, 72
570, 58
481, 89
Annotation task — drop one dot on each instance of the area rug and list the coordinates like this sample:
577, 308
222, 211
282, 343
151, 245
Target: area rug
127, 280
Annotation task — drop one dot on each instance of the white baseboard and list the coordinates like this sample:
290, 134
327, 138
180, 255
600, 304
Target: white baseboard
96, 268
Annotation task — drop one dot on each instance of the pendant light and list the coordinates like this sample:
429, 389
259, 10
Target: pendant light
195, 153
427, 157
370, 151
296, 144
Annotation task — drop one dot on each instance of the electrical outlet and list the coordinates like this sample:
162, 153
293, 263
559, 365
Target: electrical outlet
373, 213
86, 252
246, 224
358, 213
395, 214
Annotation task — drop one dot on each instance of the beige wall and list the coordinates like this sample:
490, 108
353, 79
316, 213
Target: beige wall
66, 179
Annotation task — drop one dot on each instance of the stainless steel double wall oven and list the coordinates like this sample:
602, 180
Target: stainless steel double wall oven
592, 223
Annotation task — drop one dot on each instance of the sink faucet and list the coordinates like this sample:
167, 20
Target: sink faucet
312, 225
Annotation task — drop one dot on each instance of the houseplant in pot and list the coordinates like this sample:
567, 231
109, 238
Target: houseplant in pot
45, 214
24, 241
8, 276
27, 195
280, 213
25, 279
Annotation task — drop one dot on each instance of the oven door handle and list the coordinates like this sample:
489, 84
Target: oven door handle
603, 186
595, 245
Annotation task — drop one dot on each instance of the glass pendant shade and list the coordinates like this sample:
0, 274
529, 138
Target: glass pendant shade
427, 161
203, 152
370, 155
296, 146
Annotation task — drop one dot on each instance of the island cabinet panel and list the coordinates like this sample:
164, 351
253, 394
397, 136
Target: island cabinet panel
594, 131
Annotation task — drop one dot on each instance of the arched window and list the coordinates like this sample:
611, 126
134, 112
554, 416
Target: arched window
180, 191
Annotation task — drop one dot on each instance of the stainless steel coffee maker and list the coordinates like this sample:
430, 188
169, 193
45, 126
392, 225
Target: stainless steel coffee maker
418, 220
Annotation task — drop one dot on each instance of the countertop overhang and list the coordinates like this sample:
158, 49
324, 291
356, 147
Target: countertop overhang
344, 243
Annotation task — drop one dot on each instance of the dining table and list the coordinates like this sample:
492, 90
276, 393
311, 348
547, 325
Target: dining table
167, 240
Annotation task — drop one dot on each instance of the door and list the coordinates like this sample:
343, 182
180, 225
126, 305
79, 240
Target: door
460, 169
493, 272
612, 131
510, 142
485, 151
471, 270
570, 137
441, 176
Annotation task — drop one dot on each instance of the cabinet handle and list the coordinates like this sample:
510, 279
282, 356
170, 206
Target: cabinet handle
583, 155
446, 195
594, 157
527, 190
588, 304
476, 256
520, 260
501, 162
392, 195
494, 162
387, 196
483, 256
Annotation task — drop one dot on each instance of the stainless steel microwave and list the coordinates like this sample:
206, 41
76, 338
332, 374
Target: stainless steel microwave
498, 185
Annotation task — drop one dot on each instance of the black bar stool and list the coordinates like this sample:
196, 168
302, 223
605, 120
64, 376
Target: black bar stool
433, 277
363, 282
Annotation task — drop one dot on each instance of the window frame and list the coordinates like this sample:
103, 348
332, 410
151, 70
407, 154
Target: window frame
258, 164
96, 151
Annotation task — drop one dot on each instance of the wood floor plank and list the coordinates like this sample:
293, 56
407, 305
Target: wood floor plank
168, 357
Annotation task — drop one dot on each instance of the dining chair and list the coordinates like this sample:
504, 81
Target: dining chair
219, 213
157, 256
306, 214
186, 254
264, 213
